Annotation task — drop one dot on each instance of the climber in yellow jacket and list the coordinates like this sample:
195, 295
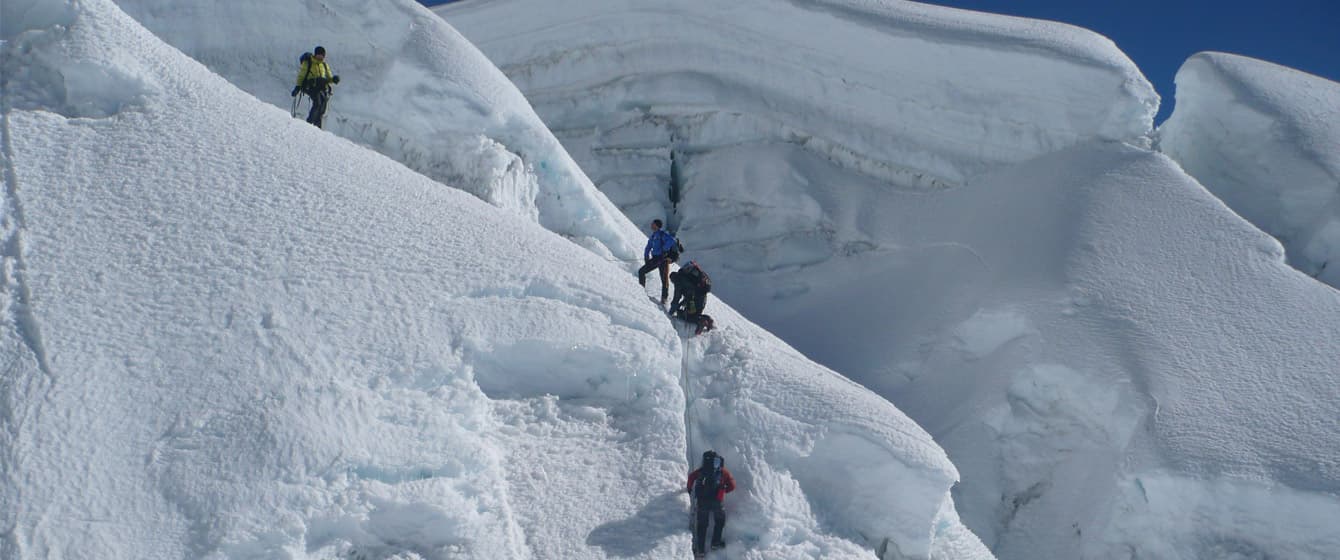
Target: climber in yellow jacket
314, 79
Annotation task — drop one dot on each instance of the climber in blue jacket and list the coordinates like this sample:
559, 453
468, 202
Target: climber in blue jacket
660, 252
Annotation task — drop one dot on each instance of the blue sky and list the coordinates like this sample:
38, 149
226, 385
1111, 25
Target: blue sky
1160, 34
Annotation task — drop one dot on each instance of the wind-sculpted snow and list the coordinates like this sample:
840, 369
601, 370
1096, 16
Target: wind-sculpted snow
1265, 139
228, 334
413, 89
1237, 350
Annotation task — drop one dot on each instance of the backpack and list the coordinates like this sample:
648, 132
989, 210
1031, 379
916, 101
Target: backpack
306, 62
675, 250
700, 279
310, 83
707, 484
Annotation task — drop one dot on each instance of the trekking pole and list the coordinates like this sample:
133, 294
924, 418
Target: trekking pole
297, 104
329, 98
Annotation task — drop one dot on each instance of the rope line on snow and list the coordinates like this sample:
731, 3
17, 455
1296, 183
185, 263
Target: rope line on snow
689, 423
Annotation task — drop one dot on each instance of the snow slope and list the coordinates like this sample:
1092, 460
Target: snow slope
411, 88
960, 212
1265, 139
229, 334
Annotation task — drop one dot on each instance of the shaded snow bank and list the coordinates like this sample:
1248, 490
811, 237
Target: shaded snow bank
1114, 328
232, 335
411, 88
1265, 139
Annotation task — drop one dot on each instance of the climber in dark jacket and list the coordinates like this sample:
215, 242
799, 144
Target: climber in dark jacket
707, 488
692, 285
315, 79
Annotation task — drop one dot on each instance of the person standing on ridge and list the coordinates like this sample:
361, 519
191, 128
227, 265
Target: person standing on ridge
315, 79
659, 253
708, 485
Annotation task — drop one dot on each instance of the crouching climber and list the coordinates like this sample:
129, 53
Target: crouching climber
692, 285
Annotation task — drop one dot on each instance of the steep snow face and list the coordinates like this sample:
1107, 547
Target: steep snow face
933, 203
228, 334
1265, 139
821, 458
411, 88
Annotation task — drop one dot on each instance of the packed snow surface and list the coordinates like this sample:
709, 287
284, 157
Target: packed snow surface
1265, 139
961, 212
228, 334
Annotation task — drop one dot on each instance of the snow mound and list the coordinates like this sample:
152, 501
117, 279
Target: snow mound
1266, 140
411, 88
231, 335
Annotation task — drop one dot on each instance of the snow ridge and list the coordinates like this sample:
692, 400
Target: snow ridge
1264, 139
887, 91
413, 89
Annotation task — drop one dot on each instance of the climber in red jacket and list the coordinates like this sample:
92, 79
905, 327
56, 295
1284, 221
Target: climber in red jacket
708, 486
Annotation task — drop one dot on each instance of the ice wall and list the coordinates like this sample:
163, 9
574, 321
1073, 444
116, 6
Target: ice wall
920, 96
1266, 140
413, 89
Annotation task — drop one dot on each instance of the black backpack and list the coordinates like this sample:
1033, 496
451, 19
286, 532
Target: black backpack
699, 278
305, 61
675, 251
707, 484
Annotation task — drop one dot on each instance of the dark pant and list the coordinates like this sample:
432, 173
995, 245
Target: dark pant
319, 99
652, 264
707, 508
